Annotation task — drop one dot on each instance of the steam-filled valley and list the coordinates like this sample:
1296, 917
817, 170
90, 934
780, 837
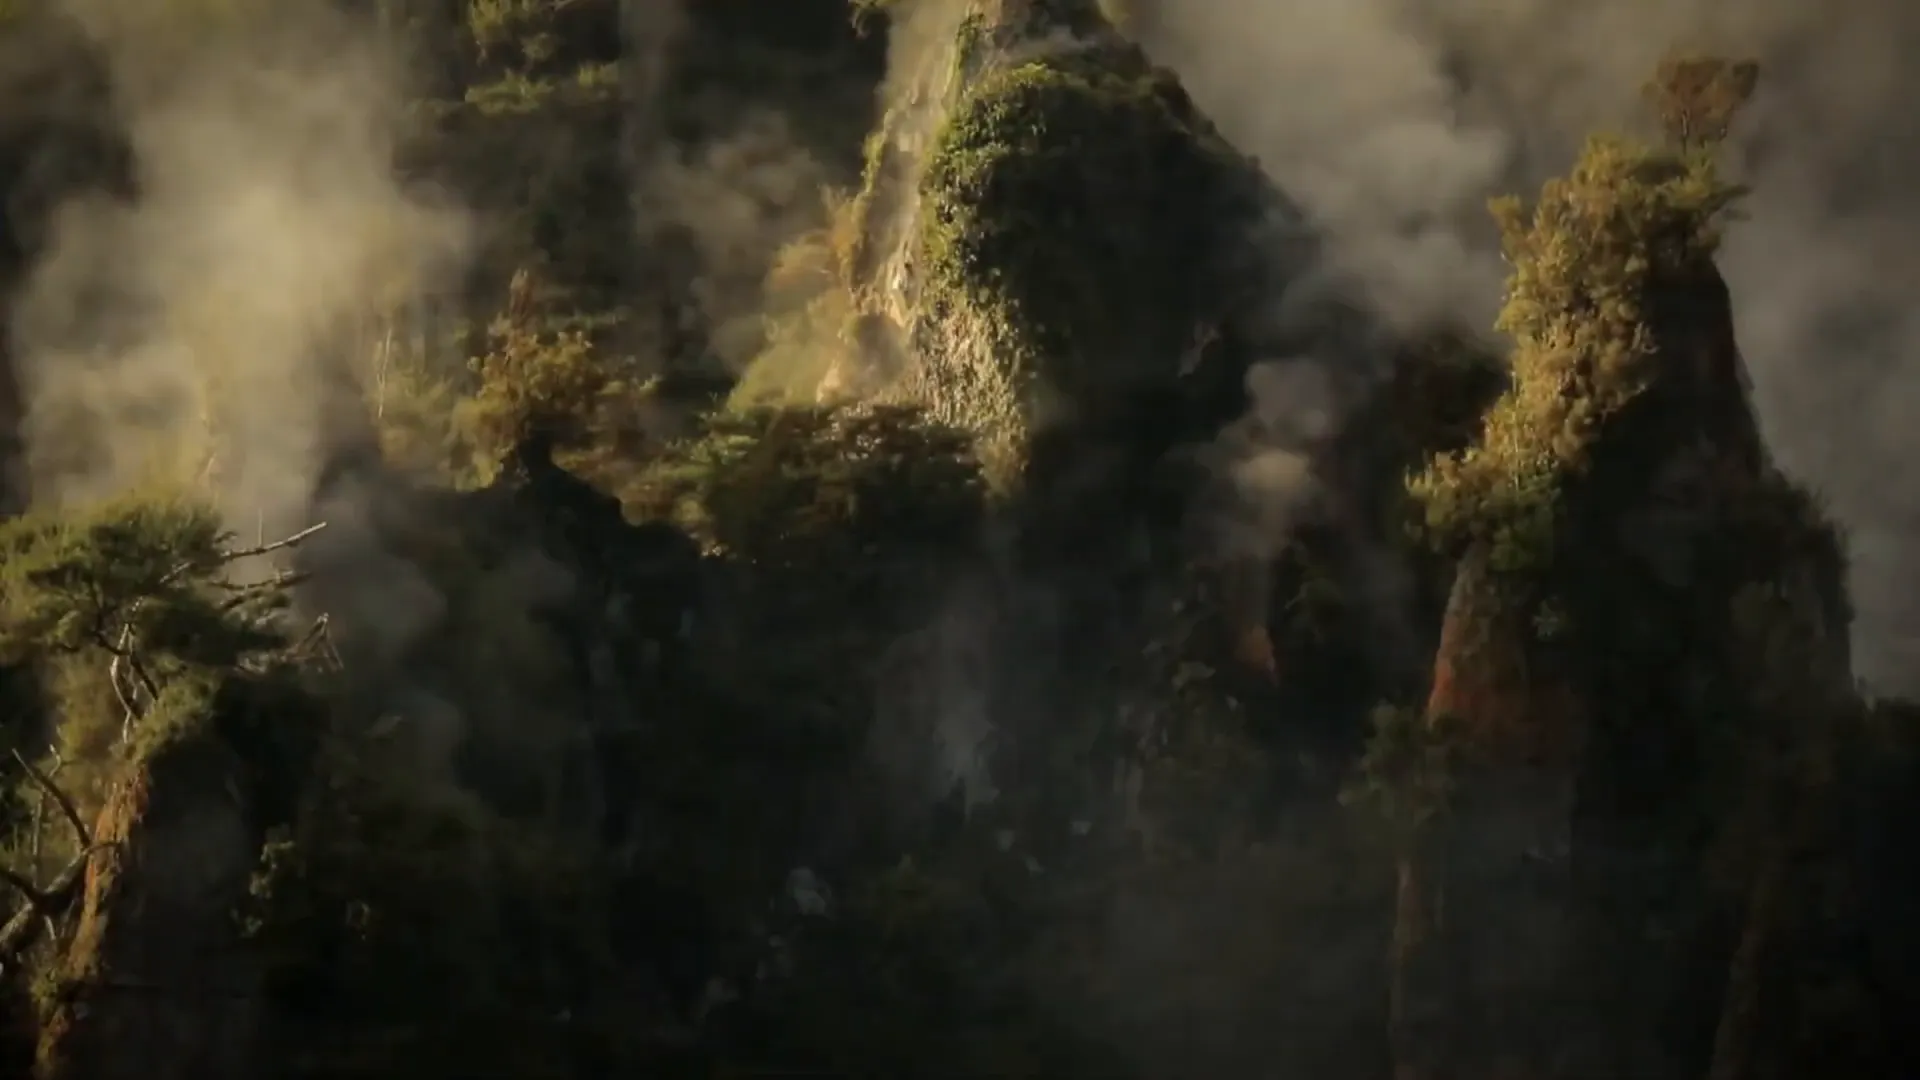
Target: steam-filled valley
1126, 539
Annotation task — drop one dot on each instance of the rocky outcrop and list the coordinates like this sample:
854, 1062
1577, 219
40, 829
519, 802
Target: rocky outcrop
158, 975
1050, 235
1612, 655
157, 980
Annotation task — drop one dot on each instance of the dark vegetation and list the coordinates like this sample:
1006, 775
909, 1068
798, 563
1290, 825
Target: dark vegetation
948, 725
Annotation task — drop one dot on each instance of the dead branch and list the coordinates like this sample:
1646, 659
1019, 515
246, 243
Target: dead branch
129, 713
40, 811
235, 554
316, 643
322, 642
151, 688
25, 887
117, 675
46, 784
279, 580
262, 549
246, 594
16, 935
317, 636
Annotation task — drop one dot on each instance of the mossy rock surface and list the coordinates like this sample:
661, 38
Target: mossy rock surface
1618, 519
1062, 233
1624, 354
1073, 206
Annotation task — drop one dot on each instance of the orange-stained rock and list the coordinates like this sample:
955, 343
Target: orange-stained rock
156, 984
1490, 677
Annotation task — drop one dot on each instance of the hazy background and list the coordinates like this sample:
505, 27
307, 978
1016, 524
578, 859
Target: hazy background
1392, 121
271, 224
201, 332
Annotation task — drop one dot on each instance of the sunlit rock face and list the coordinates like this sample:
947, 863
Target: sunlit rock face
1650, 588
1049, 233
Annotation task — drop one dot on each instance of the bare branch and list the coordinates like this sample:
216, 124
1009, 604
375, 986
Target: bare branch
139, 670
40, 810
26, 888
262, 549
279, 580
17, 933
129, 712
321, 639
60, 799
235, 554
117, 672
315, 639
245, 594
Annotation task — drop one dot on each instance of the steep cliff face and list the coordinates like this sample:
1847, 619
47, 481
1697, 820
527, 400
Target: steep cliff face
235, 859
1630, 560
509, 629
1055, 251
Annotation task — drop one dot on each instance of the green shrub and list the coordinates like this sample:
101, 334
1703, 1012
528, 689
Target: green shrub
1076, 204
796, 486
1626, 222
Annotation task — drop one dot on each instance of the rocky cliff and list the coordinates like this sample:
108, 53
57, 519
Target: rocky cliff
1051, 236
1629, 559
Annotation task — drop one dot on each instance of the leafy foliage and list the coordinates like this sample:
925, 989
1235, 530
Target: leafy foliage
421, 917
787, 487
1697, 97
551, 383
1626, 222
1030, 186
1076, 221
1406, 774
135, 571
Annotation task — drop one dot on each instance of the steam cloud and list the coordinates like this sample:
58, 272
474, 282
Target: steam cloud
738, 199
1391, 121
749, 185
199, 332
207, 333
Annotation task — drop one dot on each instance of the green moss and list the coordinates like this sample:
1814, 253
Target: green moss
784, 487
1073, 214
1070, 202
517, 93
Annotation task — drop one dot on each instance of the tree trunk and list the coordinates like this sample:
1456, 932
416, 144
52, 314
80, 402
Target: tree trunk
157, 984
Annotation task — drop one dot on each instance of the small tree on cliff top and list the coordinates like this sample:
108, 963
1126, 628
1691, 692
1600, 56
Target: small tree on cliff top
539, 378
1696, 98
137, 602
